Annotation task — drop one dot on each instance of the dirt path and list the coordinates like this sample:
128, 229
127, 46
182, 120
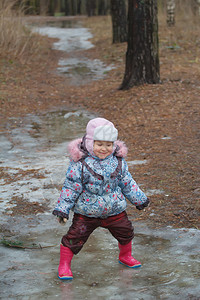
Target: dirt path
159, 123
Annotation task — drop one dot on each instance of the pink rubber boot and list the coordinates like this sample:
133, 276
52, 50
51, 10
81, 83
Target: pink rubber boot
64, 269
125, 257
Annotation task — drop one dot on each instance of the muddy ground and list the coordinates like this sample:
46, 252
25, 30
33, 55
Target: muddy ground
159, 123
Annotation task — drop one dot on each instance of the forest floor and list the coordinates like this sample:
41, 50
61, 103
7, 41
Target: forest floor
159, 123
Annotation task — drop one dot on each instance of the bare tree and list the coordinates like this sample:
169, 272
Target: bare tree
44, 7
142, 57
171, 12
119, 20
102, 7
196, 7
91, 7
79, 7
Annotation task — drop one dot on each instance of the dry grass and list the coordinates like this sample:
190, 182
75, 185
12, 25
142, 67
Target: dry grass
16, 40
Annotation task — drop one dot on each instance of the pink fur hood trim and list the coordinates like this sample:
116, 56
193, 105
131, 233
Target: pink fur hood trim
76, 154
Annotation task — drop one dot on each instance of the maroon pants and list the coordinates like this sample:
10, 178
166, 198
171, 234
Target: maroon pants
119, 226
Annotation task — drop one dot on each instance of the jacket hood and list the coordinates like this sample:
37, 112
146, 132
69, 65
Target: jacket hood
99, 129
76, 153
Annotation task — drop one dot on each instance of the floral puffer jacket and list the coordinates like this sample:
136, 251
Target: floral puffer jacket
98, 187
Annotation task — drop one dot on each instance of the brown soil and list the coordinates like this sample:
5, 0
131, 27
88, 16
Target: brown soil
144, 115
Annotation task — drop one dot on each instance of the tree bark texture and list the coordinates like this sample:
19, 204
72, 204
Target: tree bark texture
142, 56
119, 20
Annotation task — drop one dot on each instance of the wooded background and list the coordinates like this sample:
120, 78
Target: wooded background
91, 7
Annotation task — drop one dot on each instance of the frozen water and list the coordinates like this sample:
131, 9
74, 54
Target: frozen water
80, 69
170, 257
166, 138
69, 39
83, 70
137, 162
39, 146
151, 192
170, 264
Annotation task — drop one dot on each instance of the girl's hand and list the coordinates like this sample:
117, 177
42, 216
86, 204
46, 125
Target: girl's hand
144, 205
62, 220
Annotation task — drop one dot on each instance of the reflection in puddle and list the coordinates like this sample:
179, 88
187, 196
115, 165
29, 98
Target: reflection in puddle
83, 70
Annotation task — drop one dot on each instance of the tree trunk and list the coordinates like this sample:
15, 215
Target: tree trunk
44, 7
102, 7
79, 7
196, 7
67, 8
57, 7
119, 21
73, 7
142, 57
170, 12
90, 7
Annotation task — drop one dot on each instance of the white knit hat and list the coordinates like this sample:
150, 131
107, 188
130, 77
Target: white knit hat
99, 129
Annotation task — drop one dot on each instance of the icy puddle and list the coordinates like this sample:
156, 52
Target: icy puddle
33, 157
83, 70
78, 68
34, 160
170, 264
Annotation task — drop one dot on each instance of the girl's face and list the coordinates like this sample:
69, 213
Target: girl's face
102, 149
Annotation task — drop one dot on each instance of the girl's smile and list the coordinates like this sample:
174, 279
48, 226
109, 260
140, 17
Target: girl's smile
102, 149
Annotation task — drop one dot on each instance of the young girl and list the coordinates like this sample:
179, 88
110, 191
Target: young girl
96, 187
